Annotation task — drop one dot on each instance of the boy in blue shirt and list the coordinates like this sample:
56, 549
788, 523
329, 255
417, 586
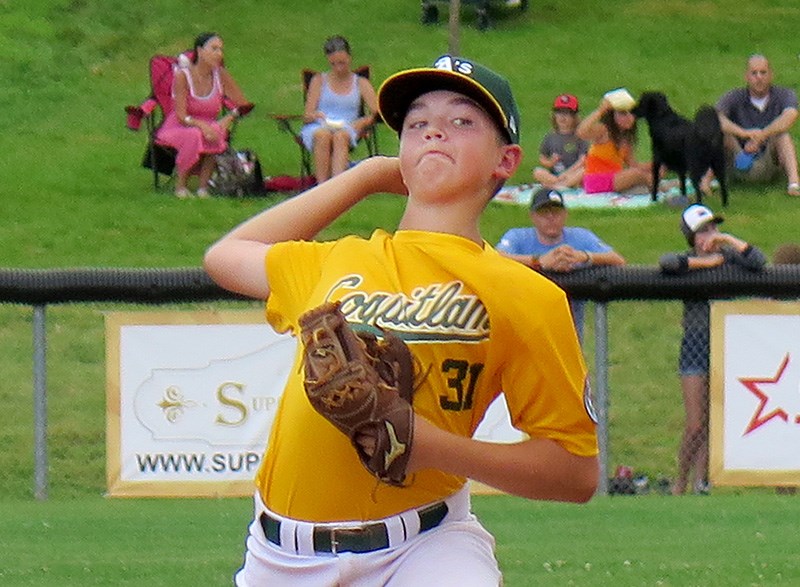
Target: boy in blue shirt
552, 246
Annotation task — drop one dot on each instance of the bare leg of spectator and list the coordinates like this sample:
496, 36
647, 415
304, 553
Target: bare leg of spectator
701, 458
787, 156
544, 177
340, 159
322, 155
693, 455
633, 179
207, 165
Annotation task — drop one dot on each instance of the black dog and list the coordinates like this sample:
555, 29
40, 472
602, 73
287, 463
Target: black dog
686, 147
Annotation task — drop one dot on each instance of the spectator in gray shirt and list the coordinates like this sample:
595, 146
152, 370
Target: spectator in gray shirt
561, 152
756, 120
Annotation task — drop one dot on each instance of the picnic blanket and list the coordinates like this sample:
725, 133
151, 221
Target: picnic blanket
578, 198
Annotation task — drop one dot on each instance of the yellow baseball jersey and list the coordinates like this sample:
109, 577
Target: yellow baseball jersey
477, 323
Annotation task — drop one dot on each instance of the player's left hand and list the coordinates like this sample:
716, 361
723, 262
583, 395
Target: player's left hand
363, 386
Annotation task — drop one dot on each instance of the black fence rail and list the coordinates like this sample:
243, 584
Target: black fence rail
148, 286
599, 284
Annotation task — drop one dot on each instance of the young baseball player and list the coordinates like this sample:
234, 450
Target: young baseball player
320, 517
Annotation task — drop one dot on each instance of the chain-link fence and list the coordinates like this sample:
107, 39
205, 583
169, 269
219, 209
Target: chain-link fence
656, 363
645, 339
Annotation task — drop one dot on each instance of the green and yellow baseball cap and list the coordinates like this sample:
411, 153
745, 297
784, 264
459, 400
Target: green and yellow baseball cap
457, 74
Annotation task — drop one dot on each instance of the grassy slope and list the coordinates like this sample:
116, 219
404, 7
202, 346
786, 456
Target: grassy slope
74, 65
74, 194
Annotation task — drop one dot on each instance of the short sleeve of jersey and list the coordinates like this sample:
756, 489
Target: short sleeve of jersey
293, 270
545, 380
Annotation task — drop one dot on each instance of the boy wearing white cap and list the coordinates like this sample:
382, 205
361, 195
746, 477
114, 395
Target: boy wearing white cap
321, 518
709, 248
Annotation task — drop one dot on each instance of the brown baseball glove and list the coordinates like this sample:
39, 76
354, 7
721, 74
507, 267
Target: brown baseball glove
363, 386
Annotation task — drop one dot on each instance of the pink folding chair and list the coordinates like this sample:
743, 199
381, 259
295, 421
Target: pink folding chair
156, 107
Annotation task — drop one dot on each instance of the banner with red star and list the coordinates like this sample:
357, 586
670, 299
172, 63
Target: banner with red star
755, 393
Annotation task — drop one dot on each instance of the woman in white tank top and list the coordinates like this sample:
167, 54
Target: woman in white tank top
333, 102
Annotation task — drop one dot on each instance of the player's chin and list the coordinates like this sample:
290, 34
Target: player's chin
431, 184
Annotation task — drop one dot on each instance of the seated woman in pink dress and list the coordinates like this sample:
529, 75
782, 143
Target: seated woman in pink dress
194, 128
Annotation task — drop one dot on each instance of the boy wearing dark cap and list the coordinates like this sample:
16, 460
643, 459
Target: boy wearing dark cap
709, 248
551, 245
562, 152
321, 518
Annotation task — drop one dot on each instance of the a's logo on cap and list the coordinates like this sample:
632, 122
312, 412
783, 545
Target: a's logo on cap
554, 197
512, 124
456, 65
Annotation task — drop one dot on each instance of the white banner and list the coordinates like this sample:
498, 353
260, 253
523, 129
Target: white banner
755, 393
191, 397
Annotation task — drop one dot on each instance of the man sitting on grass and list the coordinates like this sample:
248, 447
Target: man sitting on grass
756, 120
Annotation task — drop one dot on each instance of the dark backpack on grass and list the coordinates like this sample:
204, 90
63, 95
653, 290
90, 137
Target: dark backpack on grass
238, 174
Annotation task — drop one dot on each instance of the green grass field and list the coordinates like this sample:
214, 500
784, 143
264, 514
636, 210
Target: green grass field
718, 541
73, 195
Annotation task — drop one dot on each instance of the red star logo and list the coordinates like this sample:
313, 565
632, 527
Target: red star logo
752, 384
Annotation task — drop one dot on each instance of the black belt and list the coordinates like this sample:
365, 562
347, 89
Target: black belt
366, 538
